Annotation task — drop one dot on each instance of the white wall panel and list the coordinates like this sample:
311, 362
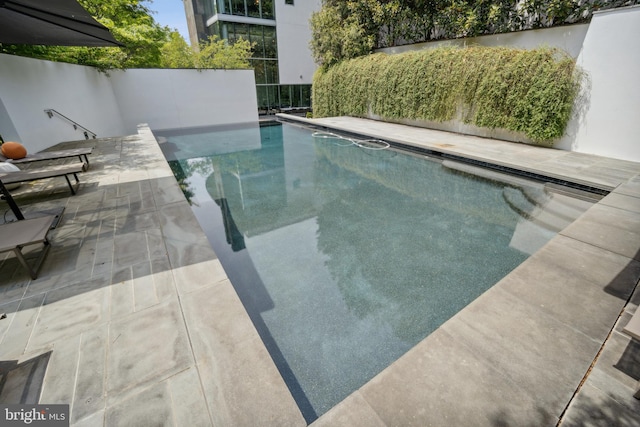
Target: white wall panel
29, 86
607, 122
167, 99
114, 104
295, 63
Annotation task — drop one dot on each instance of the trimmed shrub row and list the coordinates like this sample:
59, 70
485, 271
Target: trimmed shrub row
526, 91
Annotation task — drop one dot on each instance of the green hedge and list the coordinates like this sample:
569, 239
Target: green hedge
527, 91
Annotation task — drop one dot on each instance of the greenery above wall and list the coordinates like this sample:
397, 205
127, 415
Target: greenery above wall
145, 44
526, 91
347, 29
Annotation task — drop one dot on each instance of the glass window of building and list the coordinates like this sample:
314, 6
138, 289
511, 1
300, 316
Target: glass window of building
260, 71
238, 7
268, 11
254, 8
270, 42
257, 40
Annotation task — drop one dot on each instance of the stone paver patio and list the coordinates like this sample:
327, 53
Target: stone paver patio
133, 321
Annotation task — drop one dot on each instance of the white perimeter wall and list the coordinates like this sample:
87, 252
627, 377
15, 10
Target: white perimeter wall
607, 120
168, 99
295, 62
569, 38
29, 86
606, 117
114, 105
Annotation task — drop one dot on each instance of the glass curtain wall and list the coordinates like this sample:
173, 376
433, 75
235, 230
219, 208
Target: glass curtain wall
271, 95
254, 8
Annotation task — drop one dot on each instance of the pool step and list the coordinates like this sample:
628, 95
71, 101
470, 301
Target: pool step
543, 214
549, 209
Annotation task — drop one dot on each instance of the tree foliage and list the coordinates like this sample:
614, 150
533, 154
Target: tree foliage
176, 53
146, 44
129, 21
213, 53
347, 29
526, 91
216, 53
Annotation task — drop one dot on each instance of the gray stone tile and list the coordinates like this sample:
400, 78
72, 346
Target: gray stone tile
630, 188
9, 310
130, 248
71, 310
441, 382
619, 164
166, 191
62, 257
354, 411
567, 275
520, 338
241, 383
16, 337
102, 269
187, 399
128, 188
16, 288
184, 253
137, 222
13, 273
179, 223
622, 201
147, 346
198, 275
617, 370
94, 420
144, 292
614, 229
163, 280
89, 396
573, 160
156, 245
148, 408
104, 250
60, 379
121, 293
612, 172
595, 408
51, 282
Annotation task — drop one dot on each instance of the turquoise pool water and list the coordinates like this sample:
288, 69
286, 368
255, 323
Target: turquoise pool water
346, 256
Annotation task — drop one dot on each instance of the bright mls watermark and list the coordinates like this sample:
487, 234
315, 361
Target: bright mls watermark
34, 415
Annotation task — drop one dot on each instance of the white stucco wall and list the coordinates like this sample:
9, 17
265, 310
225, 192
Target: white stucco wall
114, 104
608, 115
568, 38
295, 63
167, 99
29, 86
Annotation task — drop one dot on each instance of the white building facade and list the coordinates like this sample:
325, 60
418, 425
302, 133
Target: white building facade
280, 32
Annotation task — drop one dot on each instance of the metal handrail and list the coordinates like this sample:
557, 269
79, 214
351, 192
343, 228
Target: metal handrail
51, 112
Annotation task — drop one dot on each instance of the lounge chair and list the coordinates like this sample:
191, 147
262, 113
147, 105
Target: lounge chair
42, 173
16, 235
81, 153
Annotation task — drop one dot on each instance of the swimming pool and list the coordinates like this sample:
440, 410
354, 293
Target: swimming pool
347, 255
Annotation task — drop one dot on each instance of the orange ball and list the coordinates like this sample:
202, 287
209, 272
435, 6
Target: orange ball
13, 150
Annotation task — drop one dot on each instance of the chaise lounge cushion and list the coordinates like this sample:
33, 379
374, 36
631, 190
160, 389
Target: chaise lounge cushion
8, 167
13, 150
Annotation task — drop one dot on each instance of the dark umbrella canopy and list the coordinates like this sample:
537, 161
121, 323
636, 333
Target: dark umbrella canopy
51, 22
